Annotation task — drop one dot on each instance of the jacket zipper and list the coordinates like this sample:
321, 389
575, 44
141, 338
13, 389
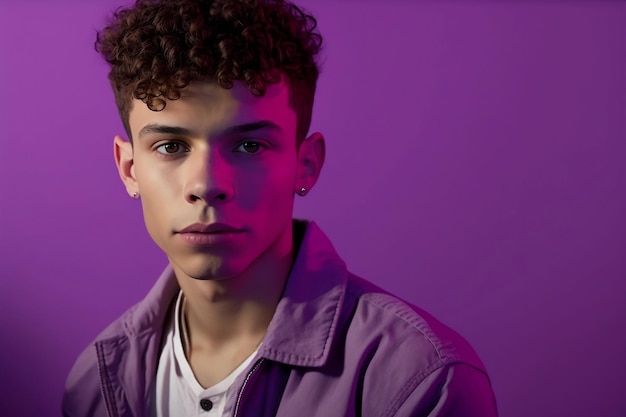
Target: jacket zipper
243, 386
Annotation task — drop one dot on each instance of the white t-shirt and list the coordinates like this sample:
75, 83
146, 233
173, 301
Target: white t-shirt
177, 393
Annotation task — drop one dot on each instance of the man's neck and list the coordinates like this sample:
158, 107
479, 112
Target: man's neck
240, 308
226, 321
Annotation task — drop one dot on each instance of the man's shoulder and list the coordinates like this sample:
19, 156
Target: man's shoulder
82, 386
115, 333
142, 320
410, 358
132, 331
138, 329
389, 319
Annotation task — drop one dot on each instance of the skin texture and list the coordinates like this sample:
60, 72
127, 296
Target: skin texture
192, 164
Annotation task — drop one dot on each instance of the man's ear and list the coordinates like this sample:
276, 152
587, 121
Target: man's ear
311, 157
124, 160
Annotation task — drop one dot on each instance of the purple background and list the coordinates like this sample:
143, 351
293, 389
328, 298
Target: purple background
476, 167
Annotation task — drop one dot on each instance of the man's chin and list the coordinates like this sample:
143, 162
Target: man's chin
214, 269
209, 274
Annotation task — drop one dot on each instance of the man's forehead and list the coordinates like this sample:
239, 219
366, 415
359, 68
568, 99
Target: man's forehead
206, 104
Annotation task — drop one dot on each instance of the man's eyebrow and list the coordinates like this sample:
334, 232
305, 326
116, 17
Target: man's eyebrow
157, 129
251, 127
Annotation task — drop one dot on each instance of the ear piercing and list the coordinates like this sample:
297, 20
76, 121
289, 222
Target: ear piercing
302, 191
135, 195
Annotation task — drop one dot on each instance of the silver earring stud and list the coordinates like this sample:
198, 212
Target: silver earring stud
135, 195
302, 191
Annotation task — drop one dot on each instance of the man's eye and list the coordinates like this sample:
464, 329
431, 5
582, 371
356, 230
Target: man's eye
248, 147
170, 148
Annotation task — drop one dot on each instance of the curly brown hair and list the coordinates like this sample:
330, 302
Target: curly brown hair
157, 47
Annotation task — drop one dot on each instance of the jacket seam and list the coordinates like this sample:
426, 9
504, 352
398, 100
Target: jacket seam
128, 321
409, 387
389, 307
107, 390
401, 398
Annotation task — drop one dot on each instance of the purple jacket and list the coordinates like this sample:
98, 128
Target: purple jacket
337, 346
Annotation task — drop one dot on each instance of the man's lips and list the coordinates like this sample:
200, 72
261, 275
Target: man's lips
209, 235
213, 228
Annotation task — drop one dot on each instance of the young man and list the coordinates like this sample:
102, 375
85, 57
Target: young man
256, 315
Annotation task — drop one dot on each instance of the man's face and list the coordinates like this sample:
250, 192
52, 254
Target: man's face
216, 171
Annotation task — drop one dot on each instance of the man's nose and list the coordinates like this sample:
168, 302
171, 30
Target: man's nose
209, 179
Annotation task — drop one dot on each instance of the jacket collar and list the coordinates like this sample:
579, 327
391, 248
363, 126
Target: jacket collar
152, 311
307, 315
